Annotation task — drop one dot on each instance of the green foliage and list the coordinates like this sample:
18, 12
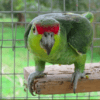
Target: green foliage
5, 5
70, 5
7, 19
44, 5
18, 4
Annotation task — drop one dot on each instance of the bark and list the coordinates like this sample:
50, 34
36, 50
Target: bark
21, 19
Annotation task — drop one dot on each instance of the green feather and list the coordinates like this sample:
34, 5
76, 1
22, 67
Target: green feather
70, 45
89, 16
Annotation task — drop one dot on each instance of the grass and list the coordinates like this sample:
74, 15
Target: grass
4, 19
21, 60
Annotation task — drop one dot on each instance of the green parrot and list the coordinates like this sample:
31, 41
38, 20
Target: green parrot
59, 38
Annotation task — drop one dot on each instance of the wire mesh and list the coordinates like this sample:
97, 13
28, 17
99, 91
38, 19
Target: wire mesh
14, 47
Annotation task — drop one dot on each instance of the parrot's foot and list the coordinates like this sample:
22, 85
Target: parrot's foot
31, 78
75, 76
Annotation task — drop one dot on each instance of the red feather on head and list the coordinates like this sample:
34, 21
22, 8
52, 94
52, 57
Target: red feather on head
47, 28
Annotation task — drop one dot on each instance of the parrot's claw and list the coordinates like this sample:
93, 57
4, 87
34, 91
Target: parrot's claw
74, 90
30, 82
31, 78
75, 76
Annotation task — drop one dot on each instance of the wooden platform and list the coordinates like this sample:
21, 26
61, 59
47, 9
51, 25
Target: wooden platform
57, 80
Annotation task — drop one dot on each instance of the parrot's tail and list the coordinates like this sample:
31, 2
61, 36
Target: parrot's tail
89, 16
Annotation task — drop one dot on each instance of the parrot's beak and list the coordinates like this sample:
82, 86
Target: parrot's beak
48, 49
47, 42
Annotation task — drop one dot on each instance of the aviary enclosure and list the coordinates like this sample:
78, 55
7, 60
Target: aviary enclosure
14, 18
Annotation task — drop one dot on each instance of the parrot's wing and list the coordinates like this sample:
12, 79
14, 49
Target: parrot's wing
26, 34
78, 29
81, 34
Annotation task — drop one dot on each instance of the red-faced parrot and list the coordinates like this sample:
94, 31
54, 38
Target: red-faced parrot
59, 39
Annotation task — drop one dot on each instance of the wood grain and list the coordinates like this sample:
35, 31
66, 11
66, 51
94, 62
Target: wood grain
58, 79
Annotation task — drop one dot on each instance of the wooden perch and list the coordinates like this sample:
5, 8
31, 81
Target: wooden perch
58, 79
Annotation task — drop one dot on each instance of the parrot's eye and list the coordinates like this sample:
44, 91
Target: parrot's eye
34, 29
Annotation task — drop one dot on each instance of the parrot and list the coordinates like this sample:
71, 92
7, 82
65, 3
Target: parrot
59, 38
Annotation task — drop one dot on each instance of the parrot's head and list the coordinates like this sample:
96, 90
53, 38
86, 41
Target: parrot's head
45, 32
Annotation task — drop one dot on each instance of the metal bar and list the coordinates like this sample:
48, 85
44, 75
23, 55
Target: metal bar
12, 40
96, 46
2, 34
96, 38
45, 11
51, 5
52, 96
27, 51
28, 22
76, 5
24, 47
12, 23
25, 13
15, 47
77, 96
65, 96
1, 72
64, 6
23, 39
89, 95
11, 73
38, 7
1, 63
92, 44
89, 5
14, 74
16, 22
96, 22
55, 97
18, 12
14, 55
38, 96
